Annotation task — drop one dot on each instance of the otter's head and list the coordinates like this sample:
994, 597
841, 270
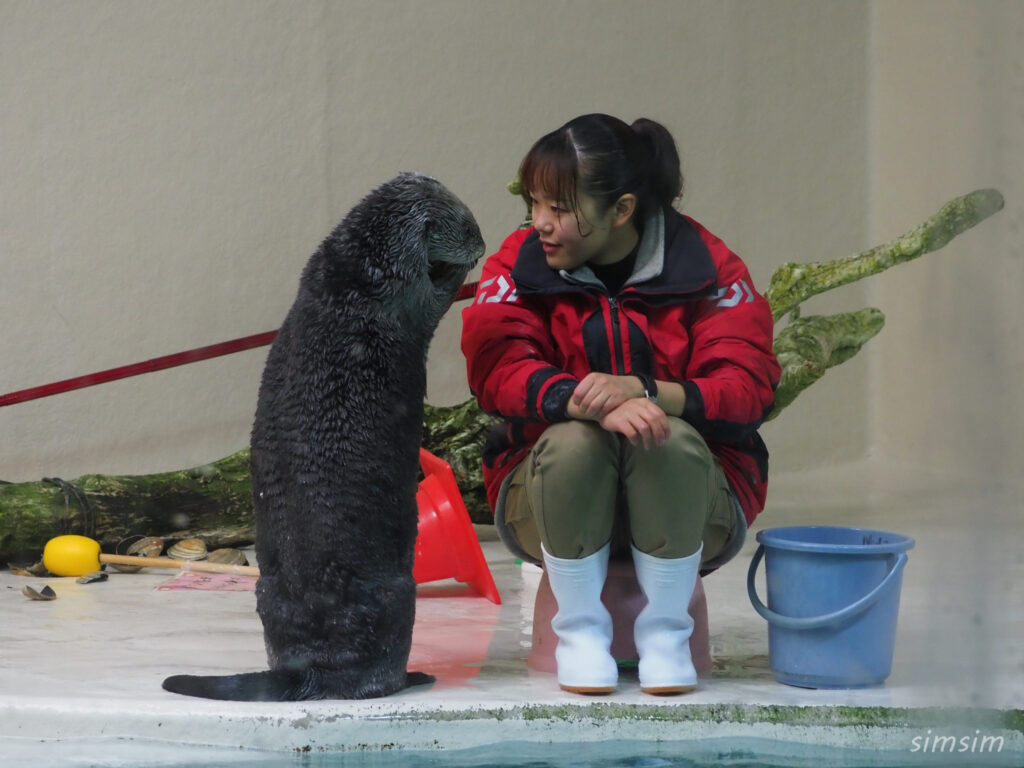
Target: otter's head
407, 245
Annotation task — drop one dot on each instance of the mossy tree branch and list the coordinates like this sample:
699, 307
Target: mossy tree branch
792, 283
809, 346
213, 501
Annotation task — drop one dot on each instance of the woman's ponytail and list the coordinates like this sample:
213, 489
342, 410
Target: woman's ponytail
665, 177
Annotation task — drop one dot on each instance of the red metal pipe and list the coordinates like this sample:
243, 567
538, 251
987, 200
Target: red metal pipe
160, 363
147, 366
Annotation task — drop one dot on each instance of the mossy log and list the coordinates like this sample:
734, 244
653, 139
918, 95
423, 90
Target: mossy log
213, 501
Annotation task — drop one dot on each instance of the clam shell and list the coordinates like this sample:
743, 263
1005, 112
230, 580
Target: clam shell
89, 578
228, 557
148, 546
46, 593
139, 546
188, 549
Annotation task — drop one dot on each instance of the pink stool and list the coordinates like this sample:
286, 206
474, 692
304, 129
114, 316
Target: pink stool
624, 599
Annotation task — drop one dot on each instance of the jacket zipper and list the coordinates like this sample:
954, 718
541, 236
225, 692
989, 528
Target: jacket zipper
613, 308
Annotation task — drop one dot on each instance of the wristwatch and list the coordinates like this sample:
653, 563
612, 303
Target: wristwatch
650, 386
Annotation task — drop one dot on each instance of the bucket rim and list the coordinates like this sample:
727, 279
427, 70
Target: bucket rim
776, 538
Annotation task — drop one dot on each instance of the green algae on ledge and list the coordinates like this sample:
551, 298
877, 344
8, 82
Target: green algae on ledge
774, 714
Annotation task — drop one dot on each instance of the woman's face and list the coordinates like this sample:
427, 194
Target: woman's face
571, 238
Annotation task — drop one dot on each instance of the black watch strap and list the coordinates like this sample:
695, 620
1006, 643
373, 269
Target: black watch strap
650, 386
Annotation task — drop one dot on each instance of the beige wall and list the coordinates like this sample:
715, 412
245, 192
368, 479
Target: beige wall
167, 167
948, 117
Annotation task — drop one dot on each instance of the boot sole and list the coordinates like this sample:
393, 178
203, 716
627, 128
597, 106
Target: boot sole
668, 690
592, 690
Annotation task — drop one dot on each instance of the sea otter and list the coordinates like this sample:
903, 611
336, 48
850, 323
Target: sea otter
335, 444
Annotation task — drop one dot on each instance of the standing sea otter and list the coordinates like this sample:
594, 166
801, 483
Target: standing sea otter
335, 445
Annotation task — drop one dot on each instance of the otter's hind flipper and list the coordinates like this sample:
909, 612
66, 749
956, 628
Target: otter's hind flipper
270, 685
418, 678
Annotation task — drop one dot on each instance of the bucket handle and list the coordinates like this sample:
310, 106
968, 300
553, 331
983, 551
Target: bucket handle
816, 622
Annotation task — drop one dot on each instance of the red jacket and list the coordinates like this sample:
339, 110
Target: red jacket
689, 313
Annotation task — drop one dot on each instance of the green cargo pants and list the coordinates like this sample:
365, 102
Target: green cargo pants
582, 486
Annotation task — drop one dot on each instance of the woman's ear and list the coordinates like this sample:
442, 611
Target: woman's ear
625, 207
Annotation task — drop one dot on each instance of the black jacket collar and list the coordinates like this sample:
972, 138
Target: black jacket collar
673, 262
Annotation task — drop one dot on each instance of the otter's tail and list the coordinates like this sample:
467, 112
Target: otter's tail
270, 685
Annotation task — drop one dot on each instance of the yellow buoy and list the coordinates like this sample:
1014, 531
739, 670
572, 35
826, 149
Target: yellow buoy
71, 555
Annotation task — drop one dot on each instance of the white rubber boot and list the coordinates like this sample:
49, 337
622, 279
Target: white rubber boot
663, 628
582, 624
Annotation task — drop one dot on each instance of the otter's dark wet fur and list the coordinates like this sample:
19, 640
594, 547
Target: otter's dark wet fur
335, 446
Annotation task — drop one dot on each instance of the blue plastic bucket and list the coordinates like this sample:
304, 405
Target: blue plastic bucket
833, 598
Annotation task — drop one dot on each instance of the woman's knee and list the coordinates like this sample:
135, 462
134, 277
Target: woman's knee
667, 490
685, 448
573, 448
685, 440
571, 482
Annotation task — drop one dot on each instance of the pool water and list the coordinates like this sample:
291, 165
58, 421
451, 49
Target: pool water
706, 753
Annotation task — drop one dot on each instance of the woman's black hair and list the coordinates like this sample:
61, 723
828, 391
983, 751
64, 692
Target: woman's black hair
601, 156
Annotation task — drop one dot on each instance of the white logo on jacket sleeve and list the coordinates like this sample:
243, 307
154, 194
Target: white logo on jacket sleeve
503, 290
738, 292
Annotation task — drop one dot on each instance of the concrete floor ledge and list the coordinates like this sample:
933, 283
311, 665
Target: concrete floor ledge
322, 728
86, 668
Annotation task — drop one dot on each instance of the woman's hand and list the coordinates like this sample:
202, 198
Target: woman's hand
640, 421
598, 394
